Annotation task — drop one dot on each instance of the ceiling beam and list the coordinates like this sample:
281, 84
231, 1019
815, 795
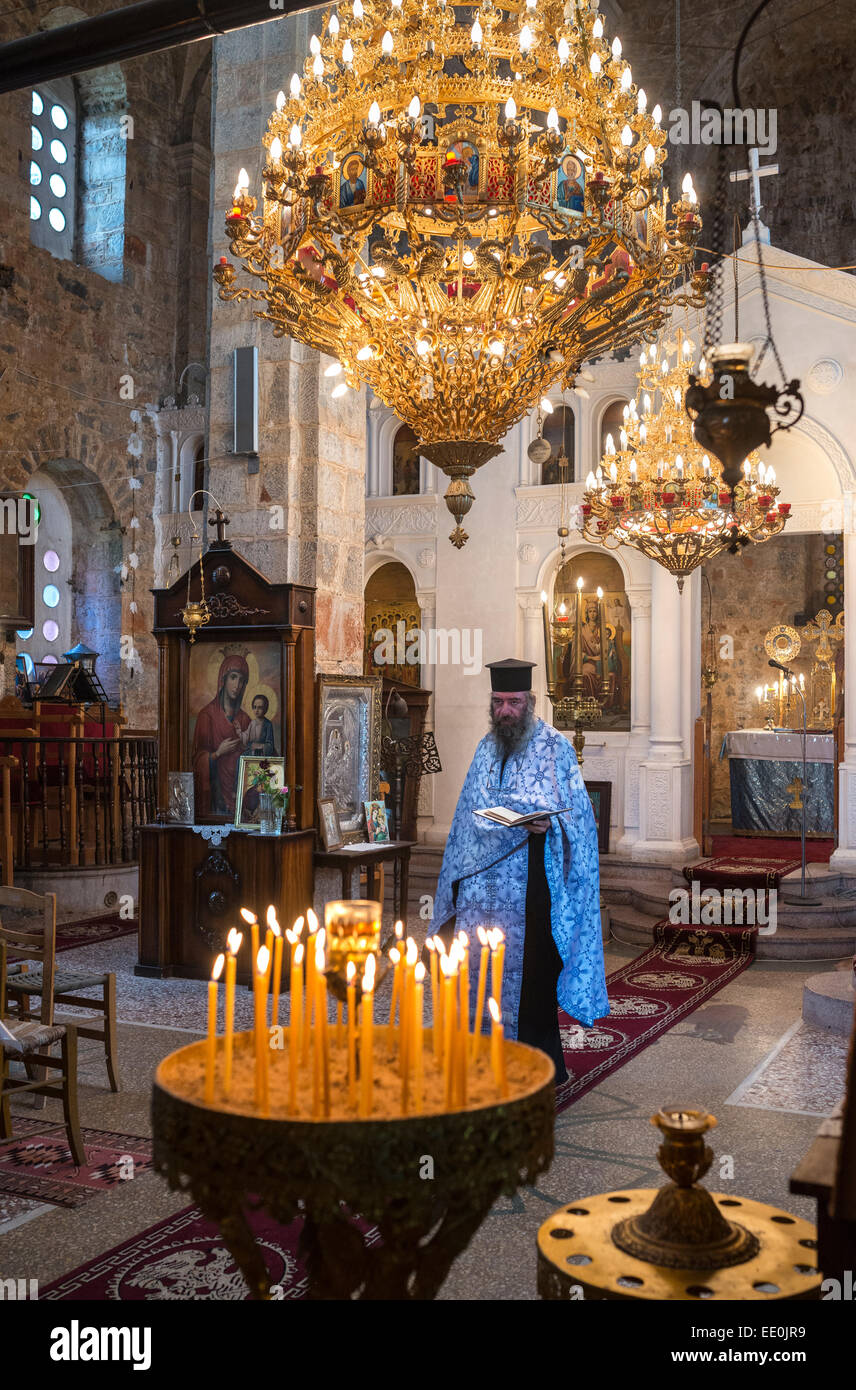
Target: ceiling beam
130, 32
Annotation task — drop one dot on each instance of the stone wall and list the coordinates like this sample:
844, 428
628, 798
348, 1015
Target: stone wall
81, 345
298, 510
762, 586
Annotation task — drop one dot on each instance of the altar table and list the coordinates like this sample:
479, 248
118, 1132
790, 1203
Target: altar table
763, 763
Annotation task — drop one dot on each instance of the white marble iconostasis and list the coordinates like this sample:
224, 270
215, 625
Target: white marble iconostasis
494, 583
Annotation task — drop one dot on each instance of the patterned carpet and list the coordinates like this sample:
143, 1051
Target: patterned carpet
38, 1165
92, 931
648, 996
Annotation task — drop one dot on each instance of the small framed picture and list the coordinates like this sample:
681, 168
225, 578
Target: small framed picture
255, 775
328, 818
180, 804
376, 822
600, 795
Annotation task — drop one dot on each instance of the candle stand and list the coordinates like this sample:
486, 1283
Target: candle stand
425, 1182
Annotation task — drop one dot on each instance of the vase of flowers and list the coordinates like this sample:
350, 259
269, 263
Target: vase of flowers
273, 800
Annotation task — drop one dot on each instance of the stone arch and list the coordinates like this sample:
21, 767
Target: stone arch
598, 414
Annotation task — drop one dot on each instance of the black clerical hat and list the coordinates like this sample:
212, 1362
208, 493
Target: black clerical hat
510, 675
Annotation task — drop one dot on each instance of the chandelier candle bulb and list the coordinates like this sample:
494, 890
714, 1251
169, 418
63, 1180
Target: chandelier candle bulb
641, 102
497, 1048
367, 1039
333, 25
211, 1048
595, 64
476, 34
626, 79
347, 52
563, 50
597, 28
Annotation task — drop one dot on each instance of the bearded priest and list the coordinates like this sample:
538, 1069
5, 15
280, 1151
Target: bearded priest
540, 882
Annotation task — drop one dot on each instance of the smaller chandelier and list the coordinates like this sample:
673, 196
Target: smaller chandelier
658, 491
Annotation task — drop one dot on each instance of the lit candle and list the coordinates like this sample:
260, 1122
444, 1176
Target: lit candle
395, 957
270, 917
351, 976
436, 1033
448, 967
322, 1052
497, 961
497, 1048
578, 630
406, 1025
295, 1025
367, 1039
233, 941
253, 923
464, 981
477, 1021
441, 951
601, 617
418, 1035
260, 999
211, 1043
278, 943
312, 922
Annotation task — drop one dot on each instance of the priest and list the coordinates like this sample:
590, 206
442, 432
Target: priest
540, 882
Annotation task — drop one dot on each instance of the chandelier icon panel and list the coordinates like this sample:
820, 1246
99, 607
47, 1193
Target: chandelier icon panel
461, 207
658, 492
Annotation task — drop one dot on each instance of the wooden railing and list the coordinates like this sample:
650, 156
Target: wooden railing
73, 801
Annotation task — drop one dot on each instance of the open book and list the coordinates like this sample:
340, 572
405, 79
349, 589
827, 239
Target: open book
502, 816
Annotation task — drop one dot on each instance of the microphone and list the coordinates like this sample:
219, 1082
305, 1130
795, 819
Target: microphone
787, 670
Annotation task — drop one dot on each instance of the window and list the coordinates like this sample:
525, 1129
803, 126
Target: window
50, 635
612, 422
559, 432
405, 463
53, 167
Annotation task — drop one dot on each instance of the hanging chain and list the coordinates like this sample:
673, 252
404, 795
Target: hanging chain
713, 308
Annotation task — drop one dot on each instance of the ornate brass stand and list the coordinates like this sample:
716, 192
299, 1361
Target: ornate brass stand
680, 1245
332, 1173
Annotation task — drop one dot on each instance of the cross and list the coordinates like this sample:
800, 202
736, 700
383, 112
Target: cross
221, 521
756, 174
820, 630
795, 789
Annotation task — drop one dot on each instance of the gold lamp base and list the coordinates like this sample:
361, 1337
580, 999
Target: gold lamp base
459, 459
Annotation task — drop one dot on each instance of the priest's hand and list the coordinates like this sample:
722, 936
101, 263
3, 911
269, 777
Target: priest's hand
539, 827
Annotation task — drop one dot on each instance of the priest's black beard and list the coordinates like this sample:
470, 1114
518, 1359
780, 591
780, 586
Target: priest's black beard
512, 730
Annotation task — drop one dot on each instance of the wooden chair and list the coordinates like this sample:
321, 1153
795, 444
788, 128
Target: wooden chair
22, 982
32, 1039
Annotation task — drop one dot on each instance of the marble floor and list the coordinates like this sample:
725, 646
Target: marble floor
746, 1056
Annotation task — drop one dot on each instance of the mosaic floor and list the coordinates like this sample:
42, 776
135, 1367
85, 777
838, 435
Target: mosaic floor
804, 1074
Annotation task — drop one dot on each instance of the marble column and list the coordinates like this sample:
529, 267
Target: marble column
843, 858
665, 777
533, 650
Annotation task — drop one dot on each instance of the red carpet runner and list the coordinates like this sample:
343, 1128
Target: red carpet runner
647, 996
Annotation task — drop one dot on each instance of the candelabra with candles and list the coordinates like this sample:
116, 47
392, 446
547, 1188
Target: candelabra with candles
573, 706
333, 1115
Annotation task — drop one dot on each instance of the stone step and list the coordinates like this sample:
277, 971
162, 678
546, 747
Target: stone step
802, 938
828, 1001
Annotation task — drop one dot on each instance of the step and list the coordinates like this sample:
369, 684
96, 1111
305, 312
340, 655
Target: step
828, 1001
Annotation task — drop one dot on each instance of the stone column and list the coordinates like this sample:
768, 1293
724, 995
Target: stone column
843, 858
640, 711
533, 650
665, 777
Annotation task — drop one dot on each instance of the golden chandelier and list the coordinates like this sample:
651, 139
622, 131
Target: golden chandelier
461, 211
658, 492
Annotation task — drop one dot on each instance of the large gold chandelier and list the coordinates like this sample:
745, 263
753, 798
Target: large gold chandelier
461, 207
658, 491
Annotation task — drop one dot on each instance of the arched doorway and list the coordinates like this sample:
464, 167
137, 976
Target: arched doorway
392, 624
597, 571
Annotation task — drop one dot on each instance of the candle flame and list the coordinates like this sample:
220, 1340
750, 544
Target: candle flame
494, 1010
320, 960
447, 965
299, 952
217, 970
463, 941
271, 918
262, 959
350, 972
431, 944
441, 946
399, 930
290, 937
419, 973
412, 953
249, 917
580, 583
233, 940
395, 956
311, 920
321, 939
482, 935
369, 975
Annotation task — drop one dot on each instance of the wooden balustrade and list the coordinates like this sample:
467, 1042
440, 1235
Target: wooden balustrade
72, 801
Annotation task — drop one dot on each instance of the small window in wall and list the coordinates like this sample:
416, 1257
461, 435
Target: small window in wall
199, 475
559, 431
50, 635
405, 463
53, 167
612, 422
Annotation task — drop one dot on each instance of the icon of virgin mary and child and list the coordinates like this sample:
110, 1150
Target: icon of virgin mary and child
224, 731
